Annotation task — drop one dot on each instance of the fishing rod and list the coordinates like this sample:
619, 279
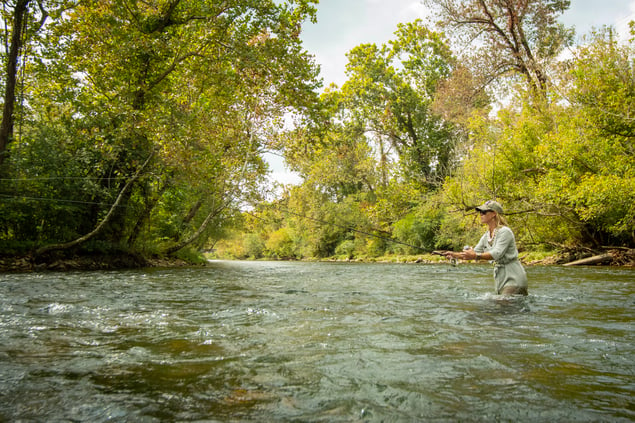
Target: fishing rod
350, 228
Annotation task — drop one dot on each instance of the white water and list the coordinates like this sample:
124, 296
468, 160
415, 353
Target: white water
270, 341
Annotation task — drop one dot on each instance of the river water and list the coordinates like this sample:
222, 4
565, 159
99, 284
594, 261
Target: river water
316, 342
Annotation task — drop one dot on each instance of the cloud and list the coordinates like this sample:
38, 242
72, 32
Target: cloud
622, 24
343, 25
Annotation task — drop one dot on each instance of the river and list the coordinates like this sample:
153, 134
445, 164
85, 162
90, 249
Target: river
316, 342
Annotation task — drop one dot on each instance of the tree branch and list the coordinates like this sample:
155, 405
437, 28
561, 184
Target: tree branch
105, 220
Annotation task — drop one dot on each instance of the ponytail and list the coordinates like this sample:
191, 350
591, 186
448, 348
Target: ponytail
500, 220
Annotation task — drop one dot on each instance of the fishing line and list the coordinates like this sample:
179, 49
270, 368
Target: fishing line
349, 228
56, 200
57, 178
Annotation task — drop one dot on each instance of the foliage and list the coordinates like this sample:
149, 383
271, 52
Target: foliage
502, 38
389, 93
193, 88
253, 245
163, 108
592, 154
564, 169
280, 244
561, 162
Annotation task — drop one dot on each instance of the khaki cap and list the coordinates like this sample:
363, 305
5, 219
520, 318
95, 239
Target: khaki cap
491, 206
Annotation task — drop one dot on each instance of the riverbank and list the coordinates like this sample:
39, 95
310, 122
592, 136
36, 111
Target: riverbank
28, 263
619, 257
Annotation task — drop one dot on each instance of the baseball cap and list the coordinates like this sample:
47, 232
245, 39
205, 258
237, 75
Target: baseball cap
491, 205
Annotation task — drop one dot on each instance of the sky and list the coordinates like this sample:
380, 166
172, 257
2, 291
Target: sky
344, 24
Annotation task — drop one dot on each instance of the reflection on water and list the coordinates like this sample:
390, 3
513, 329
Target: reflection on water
263, 341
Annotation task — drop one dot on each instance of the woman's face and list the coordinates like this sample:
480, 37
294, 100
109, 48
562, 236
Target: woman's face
487, 216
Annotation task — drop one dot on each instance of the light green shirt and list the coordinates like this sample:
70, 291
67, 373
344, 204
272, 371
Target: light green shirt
507, 270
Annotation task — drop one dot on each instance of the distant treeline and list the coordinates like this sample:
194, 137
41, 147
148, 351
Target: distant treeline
139, 127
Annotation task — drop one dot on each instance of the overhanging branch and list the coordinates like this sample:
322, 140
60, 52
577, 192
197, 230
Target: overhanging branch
100, 226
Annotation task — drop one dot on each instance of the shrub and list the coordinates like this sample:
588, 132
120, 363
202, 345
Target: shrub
253, 246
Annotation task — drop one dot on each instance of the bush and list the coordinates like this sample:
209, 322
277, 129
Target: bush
280, 245
418, 231
375, 247
253, 246
346, 248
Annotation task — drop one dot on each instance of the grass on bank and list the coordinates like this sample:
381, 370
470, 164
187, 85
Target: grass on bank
526, 258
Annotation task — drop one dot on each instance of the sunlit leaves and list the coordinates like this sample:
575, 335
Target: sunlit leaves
198, 86
389, 94
568, 166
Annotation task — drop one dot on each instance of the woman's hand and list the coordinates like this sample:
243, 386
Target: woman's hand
468, 254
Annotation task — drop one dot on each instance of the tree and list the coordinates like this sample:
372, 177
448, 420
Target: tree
197, 85
389, 93
564, 170
592, 154
371, 148
507, 37
18, 32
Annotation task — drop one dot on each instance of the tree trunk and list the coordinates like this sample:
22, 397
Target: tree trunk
145, 216
196, 234
6, 128
100, 226
602, 258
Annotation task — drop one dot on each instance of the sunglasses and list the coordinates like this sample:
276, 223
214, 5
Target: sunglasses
482, 212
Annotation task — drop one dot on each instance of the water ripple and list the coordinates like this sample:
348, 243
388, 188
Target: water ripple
268, 341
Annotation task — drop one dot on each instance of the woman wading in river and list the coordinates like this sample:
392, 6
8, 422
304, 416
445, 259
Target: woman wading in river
498, 244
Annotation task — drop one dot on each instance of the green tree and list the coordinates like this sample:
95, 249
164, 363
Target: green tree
194, 85
372, 147
389, 93
589, 161
564, 170
20, 27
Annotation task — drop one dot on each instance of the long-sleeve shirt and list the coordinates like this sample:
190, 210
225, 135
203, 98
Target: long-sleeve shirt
508, 271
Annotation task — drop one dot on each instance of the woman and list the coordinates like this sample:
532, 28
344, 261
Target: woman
498, 244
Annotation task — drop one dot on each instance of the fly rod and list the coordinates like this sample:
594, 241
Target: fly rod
442, 253
350, 228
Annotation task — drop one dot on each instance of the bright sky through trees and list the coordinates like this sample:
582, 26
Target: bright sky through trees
343, 25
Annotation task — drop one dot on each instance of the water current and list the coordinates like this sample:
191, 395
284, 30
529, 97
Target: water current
316, 342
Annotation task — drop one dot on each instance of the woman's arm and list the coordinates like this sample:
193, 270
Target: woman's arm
470, 255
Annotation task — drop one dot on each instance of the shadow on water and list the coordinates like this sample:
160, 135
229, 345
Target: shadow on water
263, 341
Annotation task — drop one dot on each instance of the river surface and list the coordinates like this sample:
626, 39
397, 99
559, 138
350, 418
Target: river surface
317, 342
